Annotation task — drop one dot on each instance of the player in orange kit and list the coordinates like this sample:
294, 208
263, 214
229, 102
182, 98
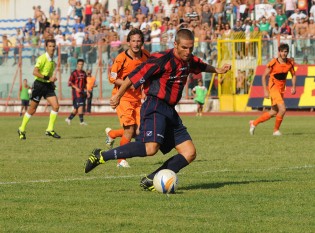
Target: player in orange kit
277, 69
128, 110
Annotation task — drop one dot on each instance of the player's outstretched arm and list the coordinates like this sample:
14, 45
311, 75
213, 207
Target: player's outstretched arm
115, 99
225, 68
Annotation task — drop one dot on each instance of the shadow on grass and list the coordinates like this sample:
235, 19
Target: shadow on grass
222, 184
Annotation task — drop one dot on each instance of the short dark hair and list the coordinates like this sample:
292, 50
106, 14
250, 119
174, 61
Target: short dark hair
80, 60
184, 33
135, 31
283, 47
50, 41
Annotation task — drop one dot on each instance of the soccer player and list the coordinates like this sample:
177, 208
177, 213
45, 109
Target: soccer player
277, 69
78, 81
200, 92
43, 87
128, 110
164, 76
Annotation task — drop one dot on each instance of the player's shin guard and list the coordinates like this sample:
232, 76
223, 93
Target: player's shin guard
25, 121
52, 120
175, 163
264, 117
278, 123
129, 150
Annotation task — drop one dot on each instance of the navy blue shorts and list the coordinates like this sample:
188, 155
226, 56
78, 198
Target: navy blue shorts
161, 123
78, 102
25, 102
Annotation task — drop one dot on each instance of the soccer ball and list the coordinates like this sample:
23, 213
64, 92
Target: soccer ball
29, 91
165, 181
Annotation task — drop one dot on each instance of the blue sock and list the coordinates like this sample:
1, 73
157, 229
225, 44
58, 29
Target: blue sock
174, 163
129, 150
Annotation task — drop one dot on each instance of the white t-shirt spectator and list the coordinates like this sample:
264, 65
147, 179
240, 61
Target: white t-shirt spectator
300, 15
156, 36
79, 36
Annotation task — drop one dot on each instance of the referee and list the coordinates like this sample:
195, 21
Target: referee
43, 87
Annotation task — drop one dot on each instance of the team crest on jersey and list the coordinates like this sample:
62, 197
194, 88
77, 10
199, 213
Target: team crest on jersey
142, 80
113, 74
148, 133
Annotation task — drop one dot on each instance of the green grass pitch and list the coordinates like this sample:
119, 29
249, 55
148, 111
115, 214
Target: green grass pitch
238, 183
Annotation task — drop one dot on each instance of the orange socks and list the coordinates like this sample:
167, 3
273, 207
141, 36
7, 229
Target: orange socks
278, 123
123, 141
114, 133
264, 117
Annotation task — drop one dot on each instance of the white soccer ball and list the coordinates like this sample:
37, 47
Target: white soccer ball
29, 91
165, 181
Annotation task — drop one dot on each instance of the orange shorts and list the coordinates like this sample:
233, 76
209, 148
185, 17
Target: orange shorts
276, 95
128, 113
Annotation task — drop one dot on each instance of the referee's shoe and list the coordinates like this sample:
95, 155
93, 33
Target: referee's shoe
52, 134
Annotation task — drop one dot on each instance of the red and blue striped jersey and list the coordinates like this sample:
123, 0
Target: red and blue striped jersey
78, 78
164, 76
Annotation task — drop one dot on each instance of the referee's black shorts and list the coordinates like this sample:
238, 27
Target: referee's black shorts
41, 89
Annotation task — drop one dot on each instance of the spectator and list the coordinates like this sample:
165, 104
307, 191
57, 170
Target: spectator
301, 35
86, 48
65, 45
155, 38
144, 9
158, 8
79, 37
147, 37
167, 9
19, 40
249, 79
295, 15
281, 17
218, 8
88, 12
206, 16
29, 25
71, 9
312, 10
200, 93
290, 6
6, 44
240, 82
78, 24
311, 31
55, 19
34, 42
135, 6
98, 7
79, 11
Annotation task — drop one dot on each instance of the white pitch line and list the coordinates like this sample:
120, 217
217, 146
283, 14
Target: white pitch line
132, 176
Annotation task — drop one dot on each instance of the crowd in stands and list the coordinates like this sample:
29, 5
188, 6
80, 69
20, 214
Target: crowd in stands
159, 20
91, 24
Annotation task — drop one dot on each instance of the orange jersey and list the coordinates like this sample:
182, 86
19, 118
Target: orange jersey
279, 72
122, 67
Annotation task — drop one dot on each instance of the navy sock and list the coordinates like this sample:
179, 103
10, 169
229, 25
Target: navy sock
129, 150
81, 118
71, 116
175, 163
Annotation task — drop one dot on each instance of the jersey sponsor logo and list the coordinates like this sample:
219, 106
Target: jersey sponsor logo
113, 75
183, 68
148, 133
